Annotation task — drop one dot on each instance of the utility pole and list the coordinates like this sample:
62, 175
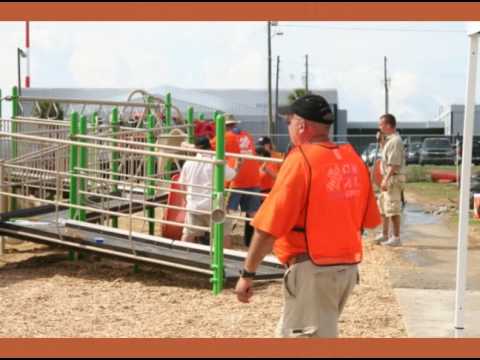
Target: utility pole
306, 73
386, 80
276, 97
270, 115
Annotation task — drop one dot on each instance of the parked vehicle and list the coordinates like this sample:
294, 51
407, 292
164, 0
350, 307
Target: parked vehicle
368, 155
413, 153
436, 151
475, 153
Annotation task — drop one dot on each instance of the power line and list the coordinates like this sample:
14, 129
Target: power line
373, 29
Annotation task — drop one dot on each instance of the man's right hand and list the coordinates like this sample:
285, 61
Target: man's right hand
243, 290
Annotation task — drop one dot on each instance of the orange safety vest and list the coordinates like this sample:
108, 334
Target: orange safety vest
337, 200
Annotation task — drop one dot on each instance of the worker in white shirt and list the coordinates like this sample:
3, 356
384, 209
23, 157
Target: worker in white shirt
194, 174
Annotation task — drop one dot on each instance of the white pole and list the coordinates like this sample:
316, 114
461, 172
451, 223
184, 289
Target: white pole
465, 187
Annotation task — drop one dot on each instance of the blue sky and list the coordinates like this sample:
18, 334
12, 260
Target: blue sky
427, 60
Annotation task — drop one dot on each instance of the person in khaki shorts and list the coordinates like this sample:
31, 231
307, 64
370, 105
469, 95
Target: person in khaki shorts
393, 179
313, 219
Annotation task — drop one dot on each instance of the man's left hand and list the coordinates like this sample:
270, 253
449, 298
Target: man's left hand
244, 290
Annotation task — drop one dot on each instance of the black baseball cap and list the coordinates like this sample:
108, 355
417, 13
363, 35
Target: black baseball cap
310, 107
202, 142
261, 151
264, 140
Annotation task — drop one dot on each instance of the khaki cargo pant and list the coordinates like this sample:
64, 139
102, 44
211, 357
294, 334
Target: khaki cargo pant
390, 202
314, 298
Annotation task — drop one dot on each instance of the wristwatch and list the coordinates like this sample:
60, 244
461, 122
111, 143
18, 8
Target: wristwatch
247, 274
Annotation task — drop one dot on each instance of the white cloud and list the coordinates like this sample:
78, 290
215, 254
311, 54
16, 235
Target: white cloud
427, 69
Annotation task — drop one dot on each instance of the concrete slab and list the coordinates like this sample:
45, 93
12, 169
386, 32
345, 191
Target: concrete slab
430, 313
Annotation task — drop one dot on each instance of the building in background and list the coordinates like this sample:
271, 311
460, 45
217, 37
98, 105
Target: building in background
453, 118
247, 105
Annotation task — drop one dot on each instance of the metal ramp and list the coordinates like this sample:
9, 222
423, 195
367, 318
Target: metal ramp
40, 225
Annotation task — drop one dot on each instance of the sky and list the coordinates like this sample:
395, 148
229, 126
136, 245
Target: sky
427, 61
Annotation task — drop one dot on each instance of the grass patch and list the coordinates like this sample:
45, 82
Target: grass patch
435, 195
434, 192
417, 173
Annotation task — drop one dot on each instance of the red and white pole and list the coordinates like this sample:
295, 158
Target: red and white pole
27, 45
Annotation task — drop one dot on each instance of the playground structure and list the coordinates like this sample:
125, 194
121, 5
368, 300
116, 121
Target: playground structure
101, 181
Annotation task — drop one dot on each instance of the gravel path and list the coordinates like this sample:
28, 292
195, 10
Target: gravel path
45, 295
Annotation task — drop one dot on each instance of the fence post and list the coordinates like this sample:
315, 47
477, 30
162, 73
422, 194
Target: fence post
150, 169
115, 158
73, 196
15, 113
83, 165
190, 129
218, 201
3, 204
168, 110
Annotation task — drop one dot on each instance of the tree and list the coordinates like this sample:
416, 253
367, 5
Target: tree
295, 94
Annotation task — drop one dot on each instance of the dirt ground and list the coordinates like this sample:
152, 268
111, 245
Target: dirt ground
45, 295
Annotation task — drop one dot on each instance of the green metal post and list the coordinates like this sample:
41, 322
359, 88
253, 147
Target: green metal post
73, 165
168, 110
115, 158
94, 122
218, 202
15, 113
168, 124
150, 167
190, 130
83, 165
14, 129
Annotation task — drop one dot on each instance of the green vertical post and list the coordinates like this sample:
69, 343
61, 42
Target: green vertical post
15, 113
14, 130
73, 165
115, 158
215, 115
218, 202
83, 164
168, 124
150, 167
190, 129
168, 110
94, 122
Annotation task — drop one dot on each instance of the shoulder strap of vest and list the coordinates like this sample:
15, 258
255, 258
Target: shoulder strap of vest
309, 185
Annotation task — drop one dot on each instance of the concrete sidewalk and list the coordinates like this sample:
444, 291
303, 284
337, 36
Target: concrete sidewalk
426, 291
430, 313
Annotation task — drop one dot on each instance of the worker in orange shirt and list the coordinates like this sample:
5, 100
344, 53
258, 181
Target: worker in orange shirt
313, 219
267, 144
268, 171
247, 179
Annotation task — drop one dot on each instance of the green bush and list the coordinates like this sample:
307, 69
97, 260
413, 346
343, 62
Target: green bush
417, 173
